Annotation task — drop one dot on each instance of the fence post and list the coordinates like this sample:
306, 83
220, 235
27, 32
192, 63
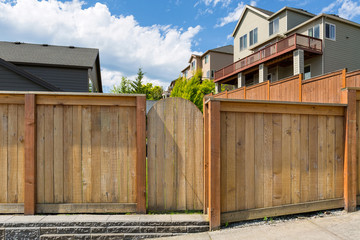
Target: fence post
30, 155
214, 165
206, 156
350, 164
300, 87
343, 78
141, 153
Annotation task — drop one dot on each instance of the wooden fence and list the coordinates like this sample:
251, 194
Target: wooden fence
175, 156
273, 158
322, 89
71, 153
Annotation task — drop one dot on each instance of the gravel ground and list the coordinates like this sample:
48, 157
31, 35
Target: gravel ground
283, 219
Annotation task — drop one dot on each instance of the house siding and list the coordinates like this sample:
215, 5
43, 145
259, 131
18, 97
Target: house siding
282, 22
294, 19
251, 20
304, 29
344, 52
207, 66
93, 77
284, 72
11, 81
316, 66
69, 80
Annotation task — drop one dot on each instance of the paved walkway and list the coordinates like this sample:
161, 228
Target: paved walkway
345, 226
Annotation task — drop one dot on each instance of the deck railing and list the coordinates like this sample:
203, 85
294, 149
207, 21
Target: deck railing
295, 41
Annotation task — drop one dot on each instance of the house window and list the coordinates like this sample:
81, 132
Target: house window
193, 64
243, 42
330, 31
208, 74
314, 31
212, 73
307, 72
186, 73
269, 77
206, 59
253, 35
274, 26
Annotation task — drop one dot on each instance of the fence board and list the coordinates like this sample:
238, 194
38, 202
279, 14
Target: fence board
3, 154
258, 92
59, 154
175, 156
285, 90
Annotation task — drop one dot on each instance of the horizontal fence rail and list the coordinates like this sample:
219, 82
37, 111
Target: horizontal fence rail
326, 88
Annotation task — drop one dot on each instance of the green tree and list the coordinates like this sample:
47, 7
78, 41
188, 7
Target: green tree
193, 89
137, 85
124, 86
152, 92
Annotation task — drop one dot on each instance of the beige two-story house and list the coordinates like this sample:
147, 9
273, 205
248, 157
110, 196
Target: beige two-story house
209, 62
272, 46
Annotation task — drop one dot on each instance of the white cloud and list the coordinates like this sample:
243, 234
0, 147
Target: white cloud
162, 51
213, 3
232, 16
114, 77
349, 9
344, 8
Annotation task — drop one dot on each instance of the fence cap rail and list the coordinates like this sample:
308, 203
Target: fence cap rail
72, 94
273, 102
351, 88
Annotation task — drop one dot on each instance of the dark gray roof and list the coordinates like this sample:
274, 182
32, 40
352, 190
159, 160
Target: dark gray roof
269, 13
48, 54
224, 49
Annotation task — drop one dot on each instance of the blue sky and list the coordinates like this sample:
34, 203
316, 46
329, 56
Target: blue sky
157, 35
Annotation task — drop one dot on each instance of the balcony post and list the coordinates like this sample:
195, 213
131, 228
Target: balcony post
241, 80
217, 88
298, 56
263, 72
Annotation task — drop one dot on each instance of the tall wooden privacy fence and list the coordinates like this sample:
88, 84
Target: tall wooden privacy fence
68, 153
274, 158
322, 89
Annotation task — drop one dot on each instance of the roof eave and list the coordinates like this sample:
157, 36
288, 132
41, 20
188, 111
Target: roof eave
247, 7
99, 73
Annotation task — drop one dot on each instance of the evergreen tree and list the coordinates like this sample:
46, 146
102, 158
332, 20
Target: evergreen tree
137, 85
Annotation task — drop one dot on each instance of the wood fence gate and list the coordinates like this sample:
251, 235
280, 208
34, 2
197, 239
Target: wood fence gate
175, 156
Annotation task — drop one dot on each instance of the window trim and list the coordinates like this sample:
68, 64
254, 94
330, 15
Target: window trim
244, 41
330, 24
193, 64
206, 59
307, 65
273, 28
267, 77
313, 31
252, 34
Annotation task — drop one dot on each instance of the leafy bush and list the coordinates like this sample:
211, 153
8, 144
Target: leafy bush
193, 89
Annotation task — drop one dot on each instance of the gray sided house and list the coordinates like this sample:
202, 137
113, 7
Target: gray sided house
34, 67
273, 46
